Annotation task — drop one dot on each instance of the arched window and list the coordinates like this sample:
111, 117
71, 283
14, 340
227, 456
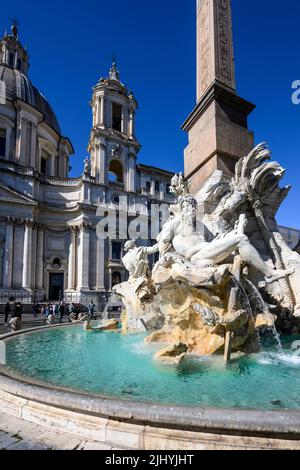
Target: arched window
115, 171
115, 279
45, 158
117, 117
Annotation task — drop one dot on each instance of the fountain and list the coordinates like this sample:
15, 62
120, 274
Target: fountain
189, 368
220, 259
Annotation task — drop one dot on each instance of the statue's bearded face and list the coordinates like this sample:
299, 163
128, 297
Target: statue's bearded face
188, 212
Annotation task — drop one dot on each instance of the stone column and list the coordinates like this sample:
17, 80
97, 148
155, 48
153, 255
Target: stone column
102, 113
8, 255
131, 124
33, 146
26, 277
40, 258
100, 246
72, 259
7, 142
1, 260
152, 191
83, 258
98, 115
52, 165
131, 173
33, 255
123, 120
100, 158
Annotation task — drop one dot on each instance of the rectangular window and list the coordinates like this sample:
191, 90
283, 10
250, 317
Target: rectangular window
148, 186
117, 117
157, 186
43, 165
2, 142
116, 251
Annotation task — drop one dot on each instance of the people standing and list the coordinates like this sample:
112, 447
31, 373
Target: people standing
61, 311
35, 310
7, 313
91, 309
18, 310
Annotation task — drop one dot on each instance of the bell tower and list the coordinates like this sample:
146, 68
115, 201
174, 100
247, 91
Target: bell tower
218, 126
12, 53
113, 145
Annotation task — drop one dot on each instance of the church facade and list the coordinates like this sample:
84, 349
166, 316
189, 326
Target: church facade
49, 244
49, 248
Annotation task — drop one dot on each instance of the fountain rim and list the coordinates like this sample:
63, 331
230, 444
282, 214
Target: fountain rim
234, 421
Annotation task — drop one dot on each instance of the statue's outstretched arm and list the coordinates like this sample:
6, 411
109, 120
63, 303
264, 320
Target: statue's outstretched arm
151, 250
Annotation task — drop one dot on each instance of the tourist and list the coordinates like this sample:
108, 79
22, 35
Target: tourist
18, 310
7, 312
71, 310
46, 312
55, 309
91, 309
51, 318
43, 311
61, 311
35, 310
15, 323
77, 310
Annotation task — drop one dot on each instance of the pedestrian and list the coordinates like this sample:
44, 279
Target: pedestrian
7, 313
36, 310
55, 309
18, 310
61, 311
46, 312
71, 311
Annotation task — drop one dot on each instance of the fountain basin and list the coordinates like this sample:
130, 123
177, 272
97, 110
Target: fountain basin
134, 420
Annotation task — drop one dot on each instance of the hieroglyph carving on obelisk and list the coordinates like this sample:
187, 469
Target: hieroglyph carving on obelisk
215, 59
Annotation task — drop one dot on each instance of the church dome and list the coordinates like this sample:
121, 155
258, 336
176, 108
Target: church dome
18, 85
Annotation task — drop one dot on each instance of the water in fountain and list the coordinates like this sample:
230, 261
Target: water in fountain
248, 308
276, 336
262, 306
113, 307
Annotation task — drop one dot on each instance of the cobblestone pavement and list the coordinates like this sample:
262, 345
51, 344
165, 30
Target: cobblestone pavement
16, 434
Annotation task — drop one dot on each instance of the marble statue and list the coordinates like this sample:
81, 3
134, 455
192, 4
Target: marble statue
15, 324
221, 266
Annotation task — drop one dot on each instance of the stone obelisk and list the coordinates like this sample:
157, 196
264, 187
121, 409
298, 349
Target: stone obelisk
218, 125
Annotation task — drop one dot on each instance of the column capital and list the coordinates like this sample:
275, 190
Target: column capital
11, 220
29, 223
85, 226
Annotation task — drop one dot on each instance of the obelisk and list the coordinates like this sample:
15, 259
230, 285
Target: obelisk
218, 125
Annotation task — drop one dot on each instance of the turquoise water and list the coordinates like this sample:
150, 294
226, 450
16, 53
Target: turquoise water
123, 366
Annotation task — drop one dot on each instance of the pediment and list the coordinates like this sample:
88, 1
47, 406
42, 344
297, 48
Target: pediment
10, 195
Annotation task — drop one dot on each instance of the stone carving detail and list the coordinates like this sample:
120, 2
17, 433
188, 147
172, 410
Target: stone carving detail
204, 25
215, 43
87, 167
116, 151
225, 71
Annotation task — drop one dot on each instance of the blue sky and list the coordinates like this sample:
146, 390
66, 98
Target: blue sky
71, 44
